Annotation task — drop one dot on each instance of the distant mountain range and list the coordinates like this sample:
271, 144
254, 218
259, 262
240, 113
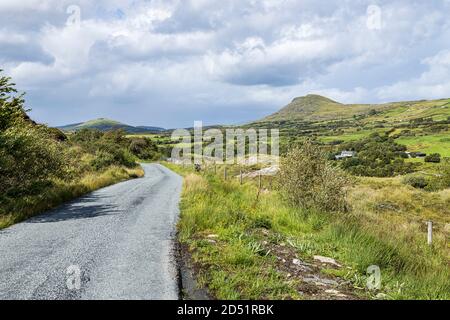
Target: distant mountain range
311, 108
103, 124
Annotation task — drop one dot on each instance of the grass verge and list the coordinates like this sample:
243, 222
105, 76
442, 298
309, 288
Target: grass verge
237, 236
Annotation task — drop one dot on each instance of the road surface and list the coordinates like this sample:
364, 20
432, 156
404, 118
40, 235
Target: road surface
115, 243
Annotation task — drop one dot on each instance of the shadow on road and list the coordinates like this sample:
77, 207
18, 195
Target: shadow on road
83, 208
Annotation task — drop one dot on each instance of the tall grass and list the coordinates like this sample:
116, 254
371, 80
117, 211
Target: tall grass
221, 223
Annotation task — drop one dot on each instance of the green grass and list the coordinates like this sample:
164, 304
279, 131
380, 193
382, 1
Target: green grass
439, 143
350, 136
103, 124
234, 265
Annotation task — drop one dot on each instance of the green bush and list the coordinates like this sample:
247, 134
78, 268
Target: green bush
122, 150
442, 179
33, 156
433, 158
377, 156
144, 148
309, 181
444, 172
28, 156
418, 182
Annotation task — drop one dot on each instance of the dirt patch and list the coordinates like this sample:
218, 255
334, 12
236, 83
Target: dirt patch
187, 271
313, 283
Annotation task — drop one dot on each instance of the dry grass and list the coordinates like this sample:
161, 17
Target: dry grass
389, 196
385, 228
398, 214
195, 183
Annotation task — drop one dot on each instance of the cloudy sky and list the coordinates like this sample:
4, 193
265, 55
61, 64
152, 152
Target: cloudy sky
168, 63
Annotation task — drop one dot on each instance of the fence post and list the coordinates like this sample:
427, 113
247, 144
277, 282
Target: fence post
260, 181
240, 173
430, 233
225, 173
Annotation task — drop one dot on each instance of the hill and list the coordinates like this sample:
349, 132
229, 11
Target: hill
313, 108
103, 124
423, 126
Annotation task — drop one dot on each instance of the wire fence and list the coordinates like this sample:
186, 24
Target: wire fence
265, 179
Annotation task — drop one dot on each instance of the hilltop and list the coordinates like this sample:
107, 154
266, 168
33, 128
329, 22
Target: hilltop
423, 126
103, 124
314, 108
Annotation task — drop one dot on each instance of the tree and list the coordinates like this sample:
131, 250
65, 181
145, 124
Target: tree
29, 156
11, 104
377, 155
309, 181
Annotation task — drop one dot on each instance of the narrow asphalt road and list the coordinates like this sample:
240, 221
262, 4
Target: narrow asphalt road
115, 243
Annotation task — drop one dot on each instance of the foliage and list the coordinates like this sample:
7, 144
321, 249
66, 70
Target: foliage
144, 148
308, 180
441, 180
29, 156
35, 160
377, 156
433, 158
242, 259
11, 104
418, 182
113, 147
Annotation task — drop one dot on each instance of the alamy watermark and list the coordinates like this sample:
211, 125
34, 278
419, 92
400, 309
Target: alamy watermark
228, 146
73, 281
74, 18
374, 278
374, 17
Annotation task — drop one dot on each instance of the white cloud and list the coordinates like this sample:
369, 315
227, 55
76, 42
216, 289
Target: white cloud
176, 61
433, 83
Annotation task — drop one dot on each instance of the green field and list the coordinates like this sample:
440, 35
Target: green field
349, 136
429, 144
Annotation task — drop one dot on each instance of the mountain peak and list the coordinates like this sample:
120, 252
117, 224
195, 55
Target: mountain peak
308, 107
314, 98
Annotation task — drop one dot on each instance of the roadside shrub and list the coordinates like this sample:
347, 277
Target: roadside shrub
309, 181
433, 158
108, 156
144, 148
102, 160
28, 158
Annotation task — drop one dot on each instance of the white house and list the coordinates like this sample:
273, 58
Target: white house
345, 155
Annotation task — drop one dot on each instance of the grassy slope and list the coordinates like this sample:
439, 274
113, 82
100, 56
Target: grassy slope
105, 125
26, 207
385, 229
318, 108
94, 124
314, 113
319, 117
